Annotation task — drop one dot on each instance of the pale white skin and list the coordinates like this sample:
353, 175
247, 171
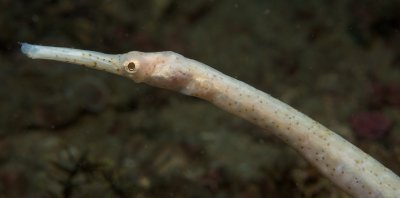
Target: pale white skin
343, 163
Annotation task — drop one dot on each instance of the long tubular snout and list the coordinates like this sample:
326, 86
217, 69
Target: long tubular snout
96, 60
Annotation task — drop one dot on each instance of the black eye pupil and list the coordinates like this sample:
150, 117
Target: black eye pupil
131, 66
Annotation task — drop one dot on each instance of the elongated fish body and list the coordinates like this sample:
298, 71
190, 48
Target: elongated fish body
343, 163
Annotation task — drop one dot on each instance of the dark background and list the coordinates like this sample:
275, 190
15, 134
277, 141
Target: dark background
67, 131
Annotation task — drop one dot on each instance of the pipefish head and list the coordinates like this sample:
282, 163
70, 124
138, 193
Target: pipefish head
140, 66
156, 68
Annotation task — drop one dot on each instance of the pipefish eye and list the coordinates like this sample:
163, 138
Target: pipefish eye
131, 67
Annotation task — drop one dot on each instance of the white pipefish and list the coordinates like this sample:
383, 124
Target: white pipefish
344, 164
